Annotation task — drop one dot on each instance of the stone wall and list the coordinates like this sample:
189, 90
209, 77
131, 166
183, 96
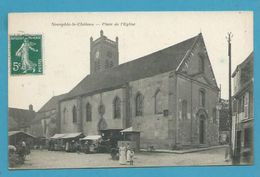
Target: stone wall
153, 126
91, 127
188, 129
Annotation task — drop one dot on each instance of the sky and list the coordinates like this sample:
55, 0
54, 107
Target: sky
66, 47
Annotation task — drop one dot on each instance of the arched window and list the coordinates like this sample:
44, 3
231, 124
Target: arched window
201, 64
64, 115
117, 110
88, 112
158, 102
139, 104
202, 97
184, 109
214, 115
74, 114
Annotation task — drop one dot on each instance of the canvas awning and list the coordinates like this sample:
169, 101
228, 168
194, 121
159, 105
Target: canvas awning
92, 137
73, 135
57, 136
129, 130
11, 133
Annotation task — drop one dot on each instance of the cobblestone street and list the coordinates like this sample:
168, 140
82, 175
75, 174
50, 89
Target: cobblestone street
41, 159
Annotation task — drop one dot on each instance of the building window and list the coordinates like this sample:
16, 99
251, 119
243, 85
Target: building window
139, 104
64, 115
88, 113
214, 115
111, 64
241, 105
96, 66
99, 65
234, 106
117, 110
184, 109
74, 114
107, 64
158, 102
248, 138
201, 64
202, 98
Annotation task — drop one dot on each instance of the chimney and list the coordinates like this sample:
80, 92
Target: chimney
30, 107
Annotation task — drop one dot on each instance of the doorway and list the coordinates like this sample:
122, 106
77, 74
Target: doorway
202, 129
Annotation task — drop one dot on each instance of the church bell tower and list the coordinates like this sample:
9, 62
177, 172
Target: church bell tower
103, 53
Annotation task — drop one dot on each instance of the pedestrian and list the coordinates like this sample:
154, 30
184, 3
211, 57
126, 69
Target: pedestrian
128, 153
67, 146
24, 149
227, 153
132, 153
122, 155
77, 146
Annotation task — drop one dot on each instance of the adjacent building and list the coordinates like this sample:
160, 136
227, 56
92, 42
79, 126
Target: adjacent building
169, 96
20, 119
46, 122
224, 128
243, 109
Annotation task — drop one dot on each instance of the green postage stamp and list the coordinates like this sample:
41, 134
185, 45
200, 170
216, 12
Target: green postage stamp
26, 54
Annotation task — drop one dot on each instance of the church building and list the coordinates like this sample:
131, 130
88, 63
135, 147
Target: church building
169, 96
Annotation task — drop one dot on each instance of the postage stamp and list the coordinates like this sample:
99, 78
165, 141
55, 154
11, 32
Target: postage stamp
26, 54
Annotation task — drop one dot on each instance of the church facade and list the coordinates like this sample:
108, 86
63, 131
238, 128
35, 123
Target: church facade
169, 96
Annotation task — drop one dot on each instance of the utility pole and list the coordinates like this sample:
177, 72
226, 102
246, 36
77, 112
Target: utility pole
228, 37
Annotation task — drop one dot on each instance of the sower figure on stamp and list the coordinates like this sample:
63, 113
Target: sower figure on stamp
23, 52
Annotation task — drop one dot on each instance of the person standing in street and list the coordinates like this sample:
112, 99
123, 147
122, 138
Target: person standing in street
122, 155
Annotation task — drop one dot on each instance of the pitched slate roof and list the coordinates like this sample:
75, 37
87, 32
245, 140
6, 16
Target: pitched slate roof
22, 117
241, 65
162, 61
52, 103
12, 124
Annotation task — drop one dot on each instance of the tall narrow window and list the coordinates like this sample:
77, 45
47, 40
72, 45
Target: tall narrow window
64, 115
74, 114
184, 109
107, 64
139, 105
96, 66
201, 64
214, 115
158, 102
202, 98
88, 112
242, 103
117, 110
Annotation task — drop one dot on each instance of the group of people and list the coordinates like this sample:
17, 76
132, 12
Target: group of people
126, 155
73, 146
18, 153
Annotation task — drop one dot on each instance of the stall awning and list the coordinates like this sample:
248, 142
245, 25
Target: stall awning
73, 135
11, 133
129, 130
57, 136
92, 137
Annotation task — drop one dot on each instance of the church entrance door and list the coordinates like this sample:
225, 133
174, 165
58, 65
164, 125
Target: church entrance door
202, 129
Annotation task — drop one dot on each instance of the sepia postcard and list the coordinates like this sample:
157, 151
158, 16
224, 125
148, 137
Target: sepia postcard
130, 89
